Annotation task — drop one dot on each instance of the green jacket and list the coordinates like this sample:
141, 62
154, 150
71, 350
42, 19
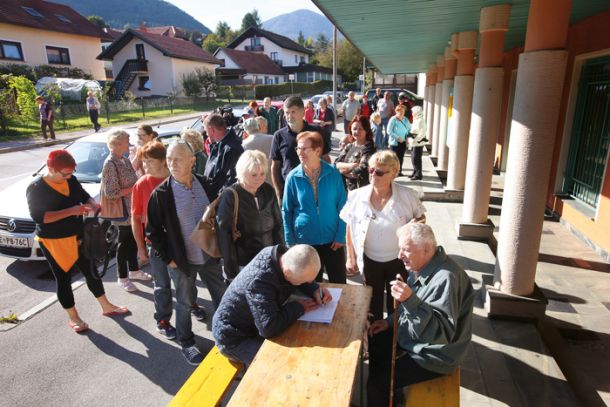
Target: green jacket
435, 323
271, 116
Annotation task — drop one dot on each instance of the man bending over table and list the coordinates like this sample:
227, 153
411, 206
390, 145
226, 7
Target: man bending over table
434, 317
255, 305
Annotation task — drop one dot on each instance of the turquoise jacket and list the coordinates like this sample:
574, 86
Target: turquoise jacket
398, 130
306, 221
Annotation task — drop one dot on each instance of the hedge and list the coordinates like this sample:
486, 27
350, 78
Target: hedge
288, 88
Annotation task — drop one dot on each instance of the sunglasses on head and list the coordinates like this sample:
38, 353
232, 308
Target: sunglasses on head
377, 172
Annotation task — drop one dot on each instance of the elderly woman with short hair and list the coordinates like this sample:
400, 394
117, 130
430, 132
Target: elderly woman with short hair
195, 141
118, 179
379, 209
259, 220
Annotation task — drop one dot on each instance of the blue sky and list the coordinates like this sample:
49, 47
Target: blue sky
232, 11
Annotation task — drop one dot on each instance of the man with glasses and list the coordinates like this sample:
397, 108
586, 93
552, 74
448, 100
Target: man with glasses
224, 152
283, 155
174, 210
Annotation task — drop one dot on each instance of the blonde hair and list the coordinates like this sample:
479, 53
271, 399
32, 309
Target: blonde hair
386, 158
376, 117
115, 136
248, 162
194, 138
262, 123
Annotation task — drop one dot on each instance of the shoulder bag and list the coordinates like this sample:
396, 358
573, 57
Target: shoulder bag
113, 209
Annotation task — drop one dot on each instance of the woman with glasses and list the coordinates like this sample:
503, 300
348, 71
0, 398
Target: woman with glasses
118, 179
353, 161
57, 202
313, 197
375, 210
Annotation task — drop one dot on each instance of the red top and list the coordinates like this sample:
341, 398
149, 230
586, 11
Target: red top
141, 194
365, 110
309, 113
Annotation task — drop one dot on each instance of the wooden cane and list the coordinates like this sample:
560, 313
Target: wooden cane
394, 344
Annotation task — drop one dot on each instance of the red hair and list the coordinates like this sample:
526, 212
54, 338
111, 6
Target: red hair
60, 159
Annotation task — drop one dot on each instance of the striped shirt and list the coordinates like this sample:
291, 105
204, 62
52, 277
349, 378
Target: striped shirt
190, 206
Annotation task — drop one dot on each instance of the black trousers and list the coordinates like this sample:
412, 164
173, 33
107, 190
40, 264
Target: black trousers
400, 152
334, 263
64, 279
94, 116
43, 126
378, 276
127, 251
406, 372
416, 155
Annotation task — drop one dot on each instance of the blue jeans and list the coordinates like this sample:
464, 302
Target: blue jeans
245, 351
184, 283
384, 126
211, 274
162, 288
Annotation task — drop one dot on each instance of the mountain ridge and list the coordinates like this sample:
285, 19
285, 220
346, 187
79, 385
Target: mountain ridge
307, 21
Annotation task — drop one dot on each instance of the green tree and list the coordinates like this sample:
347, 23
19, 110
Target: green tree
207, 81
98, 21
301, 39
251, 19
212, 42
26, 95
222, 29
321, 43
349, 60
191, 85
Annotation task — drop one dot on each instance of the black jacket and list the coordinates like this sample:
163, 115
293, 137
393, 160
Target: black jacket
255, 304
162, 226
42, 198
220, 168
259, 228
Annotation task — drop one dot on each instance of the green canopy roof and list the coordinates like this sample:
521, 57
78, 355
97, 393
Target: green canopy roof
406, 36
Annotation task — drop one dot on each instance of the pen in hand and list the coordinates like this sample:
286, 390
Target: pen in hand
321, 296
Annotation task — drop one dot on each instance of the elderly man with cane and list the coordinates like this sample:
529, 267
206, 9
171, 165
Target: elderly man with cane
432, 321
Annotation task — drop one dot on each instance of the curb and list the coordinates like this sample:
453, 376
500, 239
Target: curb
67, 139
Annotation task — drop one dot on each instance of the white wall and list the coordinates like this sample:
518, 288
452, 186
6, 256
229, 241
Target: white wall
184, 66
286, 55
229, 64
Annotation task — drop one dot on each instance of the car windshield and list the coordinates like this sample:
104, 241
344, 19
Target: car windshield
89, 157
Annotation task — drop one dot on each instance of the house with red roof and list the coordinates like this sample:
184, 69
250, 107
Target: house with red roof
244, 67
150, 64
36, 32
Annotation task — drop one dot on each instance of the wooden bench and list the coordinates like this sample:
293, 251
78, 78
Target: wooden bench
443, 391
208, 383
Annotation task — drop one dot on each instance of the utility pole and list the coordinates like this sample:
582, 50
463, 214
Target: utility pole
334, 67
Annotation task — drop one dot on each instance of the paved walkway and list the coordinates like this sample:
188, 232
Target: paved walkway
66, 137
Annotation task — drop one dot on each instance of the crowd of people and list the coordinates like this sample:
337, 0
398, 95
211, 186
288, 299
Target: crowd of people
284, 215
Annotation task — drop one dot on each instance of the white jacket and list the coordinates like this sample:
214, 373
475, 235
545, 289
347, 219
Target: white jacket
418, 128
357, 213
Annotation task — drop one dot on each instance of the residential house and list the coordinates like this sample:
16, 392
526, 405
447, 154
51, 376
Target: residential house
244, 67
36, 32
149, 64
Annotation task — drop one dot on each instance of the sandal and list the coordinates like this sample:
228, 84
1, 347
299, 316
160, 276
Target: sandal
116, 311
78, 327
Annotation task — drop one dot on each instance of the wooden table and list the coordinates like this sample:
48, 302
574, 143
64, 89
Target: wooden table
310, 363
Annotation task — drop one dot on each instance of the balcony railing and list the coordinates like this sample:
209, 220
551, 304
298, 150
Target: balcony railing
255, 47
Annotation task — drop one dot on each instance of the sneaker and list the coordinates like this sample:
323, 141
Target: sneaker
166, 329
139, 275
192, 355
198, 313
127, 285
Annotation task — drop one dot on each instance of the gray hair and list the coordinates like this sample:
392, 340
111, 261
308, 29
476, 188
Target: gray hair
182, 145
194, 138
298, 258
115, 136
215, 120
251, 126
248, 162
419, 234
262, 122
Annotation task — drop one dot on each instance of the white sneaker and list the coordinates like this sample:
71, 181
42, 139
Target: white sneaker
139, 275
127, 285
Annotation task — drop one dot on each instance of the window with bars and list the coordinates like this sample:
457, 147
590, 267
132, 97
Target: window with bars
588, 155
57, 55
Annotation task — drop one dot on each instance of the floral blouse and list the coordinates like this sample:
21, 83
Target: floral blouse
353, 153
118, 173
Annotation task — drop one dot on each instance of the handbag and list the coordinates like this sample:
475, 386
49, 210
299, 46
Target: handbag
204, 234
113, 209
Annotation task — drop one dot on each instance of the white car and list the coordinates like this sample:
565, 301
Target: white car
316, 98
16, 225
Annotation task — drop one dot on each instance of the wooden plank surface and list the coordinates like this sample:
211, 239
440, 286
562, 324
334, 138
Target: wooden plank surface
310, 363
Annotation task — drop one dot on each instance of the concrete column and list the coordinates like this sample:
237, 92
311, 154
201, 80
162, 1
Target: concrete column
465, 44
486, 108
443, 150
538, 91
438, 95
430, 113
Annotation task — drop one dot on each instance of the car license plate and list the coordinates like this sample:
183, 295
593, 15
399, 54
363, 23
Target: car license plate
8, 241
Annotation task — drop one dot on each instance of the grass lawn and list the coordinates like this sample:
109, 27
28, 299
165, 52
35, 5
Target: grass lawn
18, 129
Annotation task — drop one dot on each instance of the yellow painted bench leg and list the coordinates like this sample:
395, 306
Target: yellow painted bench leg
443, 391
208, 383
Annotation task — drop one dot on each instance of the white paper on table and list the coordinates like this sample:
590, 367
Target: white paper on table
324, 314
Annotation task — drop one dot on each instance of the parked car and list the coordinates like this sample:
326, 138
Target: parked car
414, 98
316, 98
16, 225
